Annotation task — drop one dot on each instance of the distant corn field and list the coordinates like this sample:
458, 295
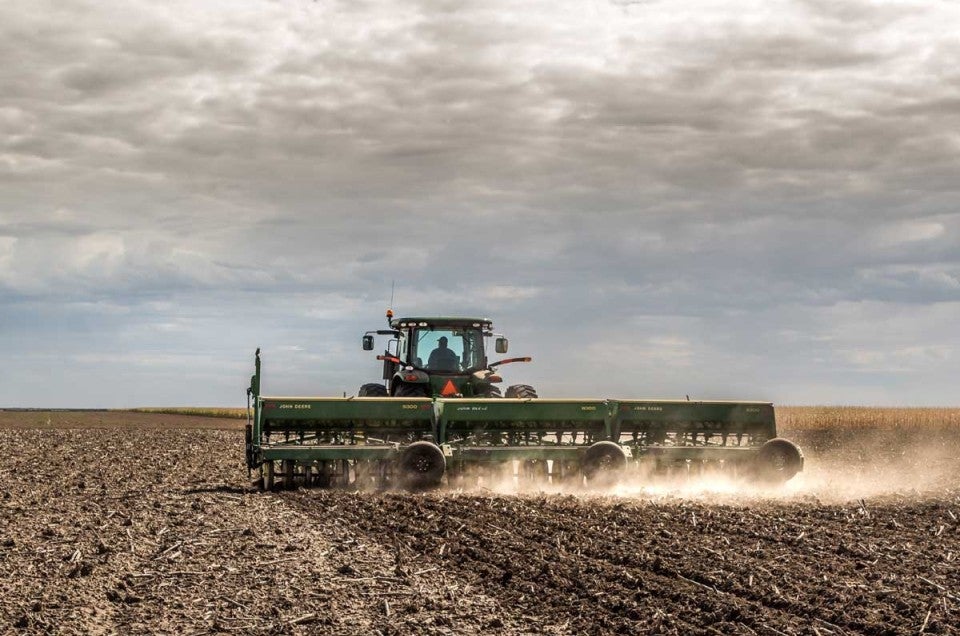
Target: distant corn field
841, 417
788, 417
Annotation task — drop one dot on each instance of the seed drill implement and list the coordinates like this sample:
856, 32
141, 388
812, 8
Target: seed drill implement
438, 416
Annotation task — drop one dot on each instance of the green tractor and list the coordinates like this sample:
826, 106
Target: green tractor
441, 357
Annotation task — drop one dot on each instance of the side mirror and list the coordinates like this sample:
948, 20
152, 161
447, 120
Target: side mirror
501, 345
368, 343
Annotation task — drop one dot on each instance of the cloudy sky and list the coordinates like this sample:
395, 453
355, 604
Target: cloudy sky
750, 199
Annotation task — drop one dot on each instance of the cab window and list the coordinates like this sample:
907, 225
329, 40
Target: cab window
460, 349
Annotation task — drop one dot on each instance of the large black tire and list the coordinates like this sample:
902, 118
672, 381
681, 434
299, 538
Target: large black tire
520, 391
421, 465
491, 392
372, 390
778, 461
403, 389
603, 463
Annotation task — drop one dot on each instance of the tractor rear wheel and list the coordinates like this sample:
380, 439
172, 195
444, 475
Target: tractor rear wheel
778, 461
491, 392
603, 462
410, 390
372, 389
421, 465
520, 391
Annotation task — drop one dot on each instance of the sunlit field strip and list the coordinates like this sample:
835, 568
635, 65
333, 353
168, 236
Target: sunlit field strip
196, 411
788, 417
851, 417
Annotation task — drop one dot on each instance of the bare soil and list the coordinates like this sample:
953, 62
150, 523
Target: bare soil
144, 523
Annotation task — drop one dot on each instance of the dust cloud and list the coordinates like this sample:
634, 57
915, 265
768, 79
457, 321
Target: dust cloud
838, 468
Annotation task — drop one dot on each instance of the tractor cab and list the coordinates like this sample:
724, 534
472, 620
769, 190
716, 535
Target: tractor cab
442, 345
437, 357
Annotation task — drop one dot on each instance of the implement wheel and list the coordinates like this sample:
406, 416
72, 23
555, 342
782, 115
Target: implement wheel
603, 462
372, 390
778, 461
520, 391
410, 390
421, 465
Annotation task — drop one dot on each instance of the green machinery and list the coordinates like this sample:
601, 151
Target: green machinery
441, 357
430, 425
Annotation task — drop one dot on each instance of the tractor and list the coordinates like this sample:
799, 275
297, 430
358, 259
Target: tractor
441, 357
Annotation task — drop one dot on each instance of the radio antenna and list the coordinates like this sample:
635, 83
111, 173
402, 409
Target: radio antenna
393, 284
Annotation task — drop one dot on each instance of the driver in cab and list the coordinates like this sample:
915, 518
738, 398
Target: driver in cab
442, 358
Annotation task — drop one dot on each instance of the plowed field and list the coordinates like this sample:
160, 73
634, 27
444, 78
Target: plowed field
141, 523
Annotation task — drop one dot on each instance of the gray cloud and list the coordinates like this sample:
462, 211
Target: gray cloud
756, 201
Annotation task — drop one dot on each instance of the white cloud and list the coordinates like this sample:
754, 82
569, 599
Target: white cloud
99, 251
762, 184
908, 232
908, 359
7, 246
497, 293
